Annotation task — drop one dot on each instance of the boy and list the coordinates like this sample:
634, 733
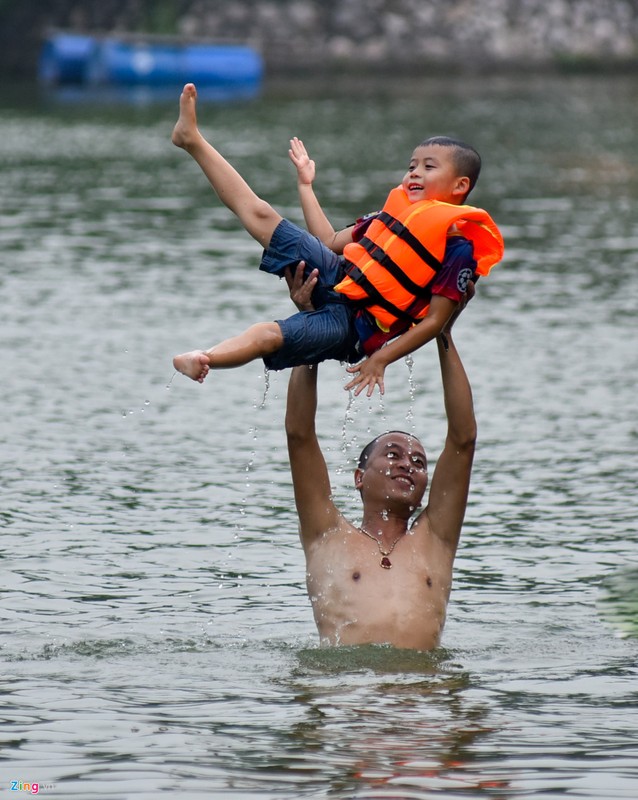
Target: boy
381, 286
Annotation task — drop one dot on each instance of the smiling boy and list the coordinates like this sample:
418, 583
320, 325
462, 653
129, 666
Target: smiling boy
393, 279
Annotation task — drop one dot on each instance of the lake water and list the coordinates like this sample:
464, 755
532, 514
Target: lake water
156, 636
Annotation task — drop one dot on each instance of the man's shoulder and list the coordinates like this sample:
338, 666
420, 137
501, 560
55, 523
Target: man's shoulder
430, 537
333, 538
338, 525
421, 522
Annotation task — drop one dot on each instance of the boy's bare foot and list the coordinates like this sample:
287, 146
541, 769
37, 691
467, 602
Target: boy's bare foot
185, 131
194, 365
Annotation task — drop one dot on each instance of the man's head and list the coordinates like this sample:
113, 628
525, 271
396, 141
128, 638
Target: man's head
393, 466
443, 169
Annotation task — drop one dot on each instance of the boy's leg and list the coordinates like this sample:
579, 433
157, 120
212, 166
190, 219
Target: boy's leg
258, 217
259, 341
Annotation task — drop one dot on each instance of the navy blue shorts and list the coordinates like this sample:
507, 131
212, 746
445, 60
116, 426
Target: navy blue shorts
327, 332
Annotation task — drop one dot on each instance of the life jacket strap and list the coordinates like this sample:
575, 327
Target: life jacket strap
382, 258
399, 229
374, 296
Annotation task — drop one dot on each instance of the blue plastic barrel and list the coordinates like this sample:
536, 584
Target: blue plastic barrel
119, 63
64, 58
220, 71
221, 65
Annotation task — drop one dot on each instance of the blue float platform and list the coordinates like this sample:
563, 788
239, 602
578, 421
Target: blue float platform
68, 59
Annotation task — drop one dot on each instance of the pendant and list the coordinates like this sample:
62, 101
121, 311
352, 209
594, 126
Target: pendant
386, 563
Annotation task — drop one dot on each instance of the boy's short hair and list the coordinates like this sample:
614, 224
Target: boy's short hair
466, 158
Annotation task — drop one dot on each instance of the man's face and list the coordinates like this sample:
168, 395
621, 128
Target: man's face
432, 175
396, 470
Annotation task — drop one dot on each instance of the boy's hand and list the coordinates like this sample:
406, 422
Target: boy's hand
368, 373
302, 161
300, 289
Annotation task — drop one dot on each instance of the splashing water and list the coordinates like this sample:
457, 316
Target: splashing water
347, 444
409, 416
130, 412
347, 418
266, 388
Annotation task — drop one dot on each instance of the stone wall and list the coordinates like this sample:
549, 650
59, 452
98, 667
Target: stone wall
410, 33
307, 35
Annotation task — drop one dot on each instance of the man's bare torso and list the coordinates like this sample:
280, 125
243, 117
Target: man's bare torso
356, 601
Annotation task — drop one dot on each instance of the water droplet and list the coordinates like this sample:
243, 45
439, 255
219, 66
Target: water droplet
346, 419
409, 360
266, 387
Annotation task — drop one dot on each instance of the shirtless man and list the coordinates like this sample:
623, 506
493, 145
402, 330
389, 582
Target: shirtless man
386, 580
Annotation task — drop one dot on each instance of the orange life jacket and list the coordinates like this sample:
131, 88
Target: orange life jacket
390, 270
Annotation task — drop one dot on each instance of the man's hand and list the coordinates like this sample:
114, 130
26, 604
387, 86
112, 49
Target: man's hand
369, 373
300, 289
302, 161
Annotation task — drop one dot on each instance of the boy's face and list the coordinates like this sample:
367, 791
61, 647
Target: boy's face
432, 175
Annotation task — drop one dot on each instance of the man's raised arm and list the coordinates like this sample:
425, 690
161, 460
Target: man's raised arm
451, 479
311, 482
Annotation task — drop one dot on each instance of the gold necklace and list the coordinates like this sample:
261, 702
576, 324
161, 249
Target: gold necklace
385, 561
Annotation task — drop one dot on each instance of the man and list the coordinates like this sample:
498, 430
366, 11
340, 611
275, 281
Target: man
386, 580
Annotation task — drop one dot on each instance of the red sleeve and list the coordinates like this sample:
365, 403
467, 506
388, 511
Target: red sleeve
458, 269
361, 226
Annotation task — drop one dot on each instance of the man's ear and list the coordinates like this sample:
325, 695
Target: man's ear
358, 478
